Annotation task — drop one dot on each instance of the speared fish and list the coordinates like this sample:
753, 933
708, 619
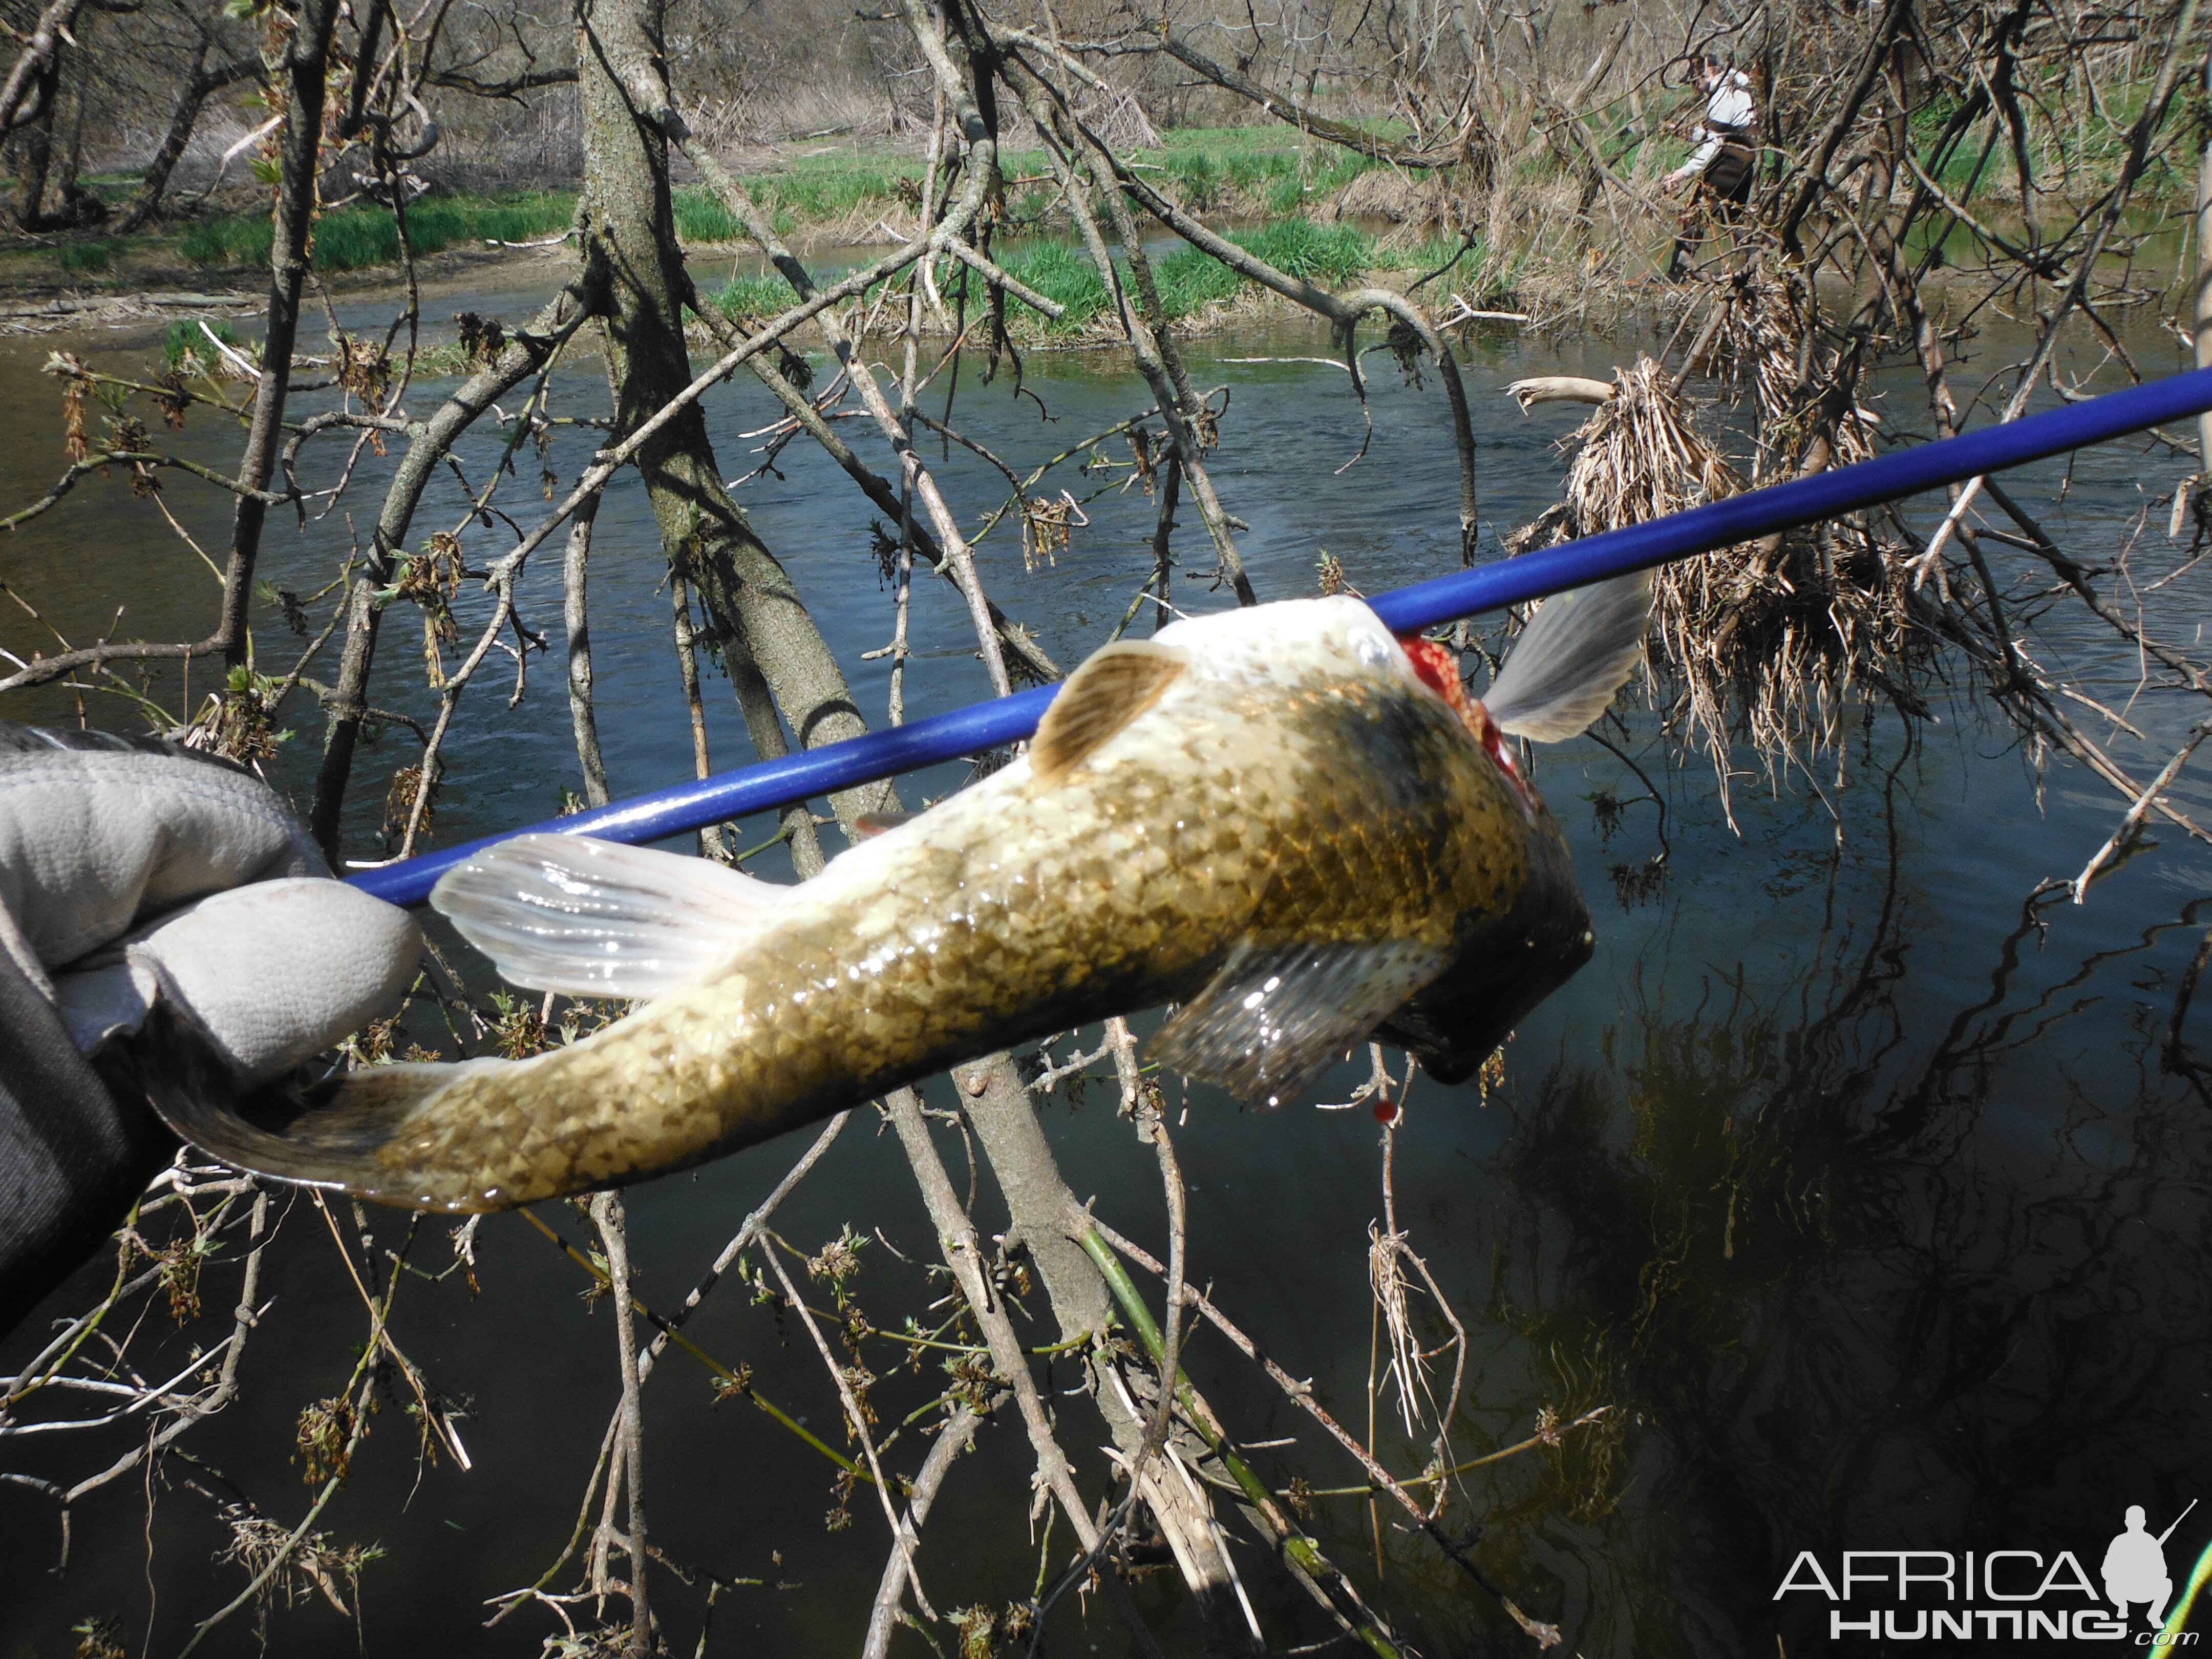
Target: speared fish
1298, 827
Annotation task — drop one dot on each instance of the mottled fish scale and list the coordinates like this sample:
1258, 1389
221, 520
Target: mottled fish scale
858, 992
1286, 790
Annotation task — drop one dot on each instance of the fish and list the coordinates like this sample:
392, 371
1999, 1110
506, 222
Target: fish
1295, 826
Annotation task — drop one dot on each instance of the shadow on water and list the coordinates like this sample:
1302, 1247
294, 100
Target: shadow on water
1867, 1190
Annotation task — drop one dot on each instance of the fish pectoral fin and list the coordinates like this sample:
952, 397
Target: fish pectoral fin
1116, 684
1569, 660
593, 918
1275, 1017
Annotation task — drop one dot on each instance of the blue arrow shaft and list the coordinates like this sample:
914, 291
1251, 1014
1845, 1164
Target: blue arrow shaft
839, 766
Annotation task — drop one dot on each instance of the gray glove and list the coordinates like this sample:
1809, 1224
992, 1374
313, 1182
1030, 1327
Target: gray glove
133, 872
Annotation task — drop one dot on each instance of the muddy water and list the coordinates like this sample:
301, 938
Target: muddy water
1860, 1196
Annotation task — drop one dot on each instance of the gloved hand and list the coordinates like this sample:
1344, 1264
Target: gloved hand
133, 871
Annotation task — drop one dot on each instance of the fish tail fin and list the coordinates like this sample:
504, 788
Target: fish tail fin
1574, 655
330, 1134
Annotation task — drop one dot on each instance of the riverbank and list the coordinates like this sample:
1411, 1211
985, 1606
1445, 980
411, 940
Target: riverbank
836, 195
1196, 290
828, 197
1315, 209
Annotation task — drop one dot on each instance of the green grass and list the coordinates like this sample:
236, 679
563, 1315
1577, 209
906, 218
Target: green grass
1330, 254
1061, 270
812, 189
1189, 280
353, 238
762, 296
185, 345
1210, 168
1198, 179
89, 258
820, 189
222, 242
1263, 138
1283, 172
700, 217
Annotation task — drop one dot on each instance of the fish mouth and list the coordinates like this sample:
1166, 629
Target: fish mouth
1436, 666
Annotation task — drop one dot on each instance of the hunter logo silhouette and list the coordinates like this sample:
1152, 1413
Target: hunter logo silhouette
2135, 1565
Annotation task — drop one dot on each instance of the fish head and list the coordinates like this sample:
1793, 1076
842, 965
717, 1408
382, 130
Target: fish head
1436, 666
1289, 643
1504, 964
1506, 955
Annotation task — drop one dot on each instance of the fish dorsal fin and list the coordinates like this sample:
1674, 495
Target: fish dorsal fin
1570, 659
1275, 1017
1117, 683
591, 918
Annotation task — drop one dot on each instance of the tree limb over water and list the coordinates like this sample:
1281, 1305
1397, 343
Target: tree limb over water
1869, 236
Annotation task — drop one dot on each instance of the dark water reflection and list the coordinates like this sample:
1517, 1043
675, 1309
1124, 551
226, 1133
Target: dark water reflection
1859, 1187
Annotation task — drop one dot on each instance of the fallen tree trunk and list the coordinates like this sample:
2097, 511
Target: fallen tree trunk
1560, 389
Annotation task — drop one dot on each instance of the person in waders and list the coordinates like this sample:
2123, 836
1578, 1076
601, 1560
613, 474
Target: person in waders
1728, 149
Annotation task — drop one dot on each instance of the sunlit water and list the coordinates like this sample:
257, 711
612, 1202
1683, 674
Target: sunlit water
1863, 1200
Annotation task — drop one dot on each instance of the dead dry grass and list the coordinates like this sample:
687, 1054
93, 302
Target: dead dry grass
1757, 644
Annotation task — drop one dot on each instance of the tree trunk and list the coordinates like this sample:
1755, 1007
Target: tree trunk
206, 78
301, 79
37, 149
2201, 313
78, 206
629, 232
1039, 1202
34, 70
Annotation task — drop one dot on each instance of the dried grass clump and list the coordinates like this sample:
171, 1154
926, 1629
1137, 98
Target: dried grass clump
1761, 343
1120, 120
777, 109
1387, 193
1560, 261
1759, 642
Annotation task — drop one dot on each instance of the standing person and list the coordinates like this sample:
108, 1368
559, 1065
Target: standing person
1726, 152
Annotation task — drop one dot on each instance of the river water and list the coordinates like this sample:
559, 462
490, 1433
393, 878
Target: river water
1857, 1192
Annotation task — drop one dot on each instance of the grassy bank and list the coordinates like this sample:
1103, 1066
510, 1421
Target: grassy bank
832, 197
840, 195
1194, 286
844, 195
357, 238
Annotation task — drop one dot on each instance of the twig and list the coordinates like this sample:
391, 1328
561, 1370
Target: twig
902, 1537
957, 1434
1096, 1238
607, 1214
2136, 809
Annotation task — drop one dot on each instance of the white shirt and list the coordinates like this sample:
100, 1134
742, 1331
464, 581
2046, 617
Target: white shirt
1730, 106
